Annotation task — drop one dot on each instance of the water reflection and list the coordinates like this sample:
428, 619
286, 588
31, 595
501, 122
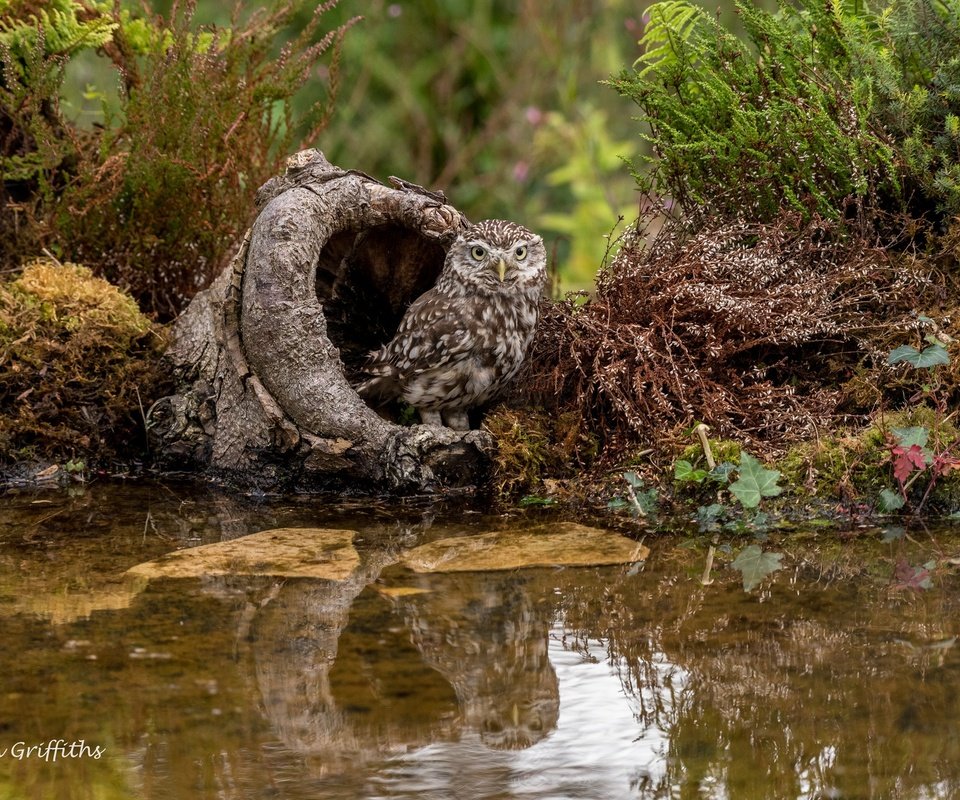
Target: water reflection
488, 635
575, 683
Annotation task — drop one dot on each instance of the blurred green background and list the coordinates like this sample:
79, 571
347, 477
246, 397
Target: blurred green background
498, 104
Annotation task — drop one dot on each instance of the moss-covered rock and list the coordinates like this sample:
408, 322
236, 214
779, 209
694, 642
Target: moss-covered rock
78, 363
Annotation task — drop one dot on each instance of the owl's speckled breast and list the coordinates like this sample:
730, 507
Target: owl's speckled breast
461, 342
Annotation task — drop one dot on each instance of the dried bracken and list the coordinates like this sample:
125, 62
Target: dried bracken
751, 328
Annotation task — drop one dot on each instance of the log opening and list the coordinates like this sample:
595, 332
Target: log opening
366, 280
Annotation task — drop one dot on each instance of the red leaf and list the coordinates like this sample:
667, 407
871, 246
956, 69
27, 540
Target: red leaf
906, 461
943, 464
907, 576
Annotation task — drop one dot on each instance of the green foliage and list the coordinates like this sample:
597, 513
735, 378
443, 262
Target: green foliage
750, 127
934, 355
754, 482
825, 108
496, 104
754, 565
683, 472
155, 198
920, 451
928, 357
589, 163
56, 30
709, 516
889, 501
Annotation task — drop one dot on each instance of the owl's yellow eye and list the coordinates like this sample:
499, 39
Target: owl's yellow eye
477, 252
521, 252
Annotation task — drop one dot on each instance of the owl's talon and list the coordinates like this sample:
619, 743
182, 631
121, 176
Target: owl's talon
430, 418
457, 420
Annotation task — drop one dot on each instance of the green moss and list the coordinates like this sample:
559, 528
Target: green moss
836, 466
78, 364
723, 450
523, 449
855, 465
533, 446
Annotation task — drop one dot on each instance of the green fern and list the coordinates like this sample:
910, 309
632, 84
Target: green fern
57, 27
672, 25
824, 108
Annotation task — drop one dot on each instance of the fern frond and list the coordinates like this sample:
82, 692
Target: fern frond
671, 27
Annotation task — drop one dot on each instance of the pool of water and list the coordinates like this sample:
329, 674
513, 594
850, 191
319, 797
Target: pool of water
838, 678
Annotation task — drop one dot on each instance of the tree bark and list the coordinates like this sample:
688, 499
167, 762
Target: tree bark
263, 359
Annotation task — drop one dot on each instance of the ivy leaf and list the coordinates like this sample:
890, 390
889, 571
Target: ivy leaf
928, 357
889, 501
721, 472
708, 516
754, 482
647, 501
683, 471
633, 479
908, 437
754, 565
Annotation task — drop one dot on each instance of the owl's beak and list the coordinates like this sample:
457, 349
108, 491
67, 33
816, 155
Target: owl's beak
501, 269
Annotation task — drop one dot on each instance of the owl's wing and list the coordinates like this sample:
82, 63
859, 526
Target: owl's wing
436, 330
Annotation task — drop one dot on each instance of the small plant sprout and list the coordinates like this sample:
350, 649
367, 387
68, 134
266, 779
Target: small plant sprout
701, 430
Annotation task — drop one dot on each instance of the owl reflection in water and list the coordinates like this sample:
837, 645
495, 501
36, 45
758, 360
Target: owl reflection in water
461, 342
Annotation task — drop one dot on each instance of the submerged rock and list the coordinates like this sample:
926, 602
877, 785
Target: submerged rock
562, 545
326, 553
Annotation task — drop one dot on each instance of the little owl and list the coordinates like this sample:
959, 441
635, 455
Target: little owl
462, 341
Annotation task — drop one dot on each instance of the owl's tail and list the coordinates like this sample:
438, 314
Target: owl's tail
381, 386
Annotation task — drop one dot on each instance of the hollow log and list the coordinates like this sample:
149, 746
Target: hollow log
264, 358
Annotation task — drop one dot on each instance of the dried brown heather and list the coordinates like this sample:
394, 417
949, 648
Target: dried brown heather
751, 328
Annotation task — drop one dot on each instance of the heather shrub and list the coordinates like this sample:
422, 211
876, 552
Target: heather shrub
156, 197
752, 328
835, 109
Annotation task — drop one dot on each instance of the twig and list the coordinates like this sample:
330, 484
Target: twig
143, 416
634, 501
706, 580
52, 257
